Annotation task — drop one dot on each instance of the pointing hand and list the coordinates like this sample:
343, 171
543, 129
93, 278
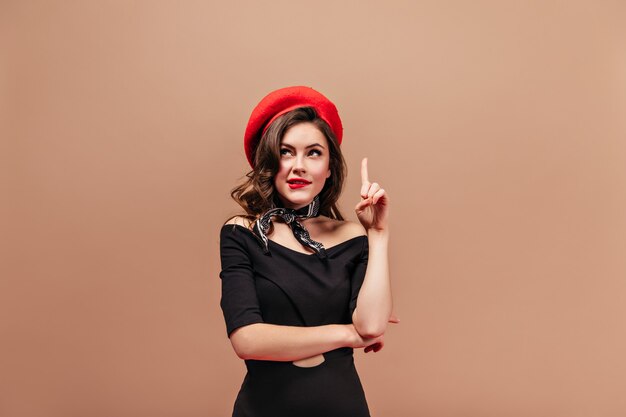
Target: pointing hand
373, 209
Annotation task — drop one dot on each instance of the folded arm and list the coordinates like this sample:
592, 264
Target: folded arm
264, 341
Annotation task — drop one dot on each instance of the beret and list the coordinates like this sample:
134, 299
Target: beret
281, 101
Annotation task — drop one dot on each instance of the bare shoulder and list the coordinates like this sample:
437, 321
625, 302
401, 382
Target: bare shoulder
240, 220
348, 229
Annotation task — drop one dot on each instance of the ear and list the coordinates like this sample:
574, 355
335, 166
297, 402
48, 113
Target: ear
328, 176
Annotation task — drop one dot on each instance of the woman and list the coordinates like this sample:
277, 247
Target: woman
298, 294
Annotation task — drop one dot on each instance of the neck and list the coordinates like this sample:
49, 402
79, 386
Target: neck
291, 206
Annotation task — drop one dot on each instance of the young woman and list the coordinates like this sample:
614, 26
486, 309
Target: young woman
302, 287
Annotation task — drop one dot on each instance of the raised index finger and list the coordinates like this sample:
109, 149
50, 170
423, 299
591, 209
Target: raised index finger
364, 178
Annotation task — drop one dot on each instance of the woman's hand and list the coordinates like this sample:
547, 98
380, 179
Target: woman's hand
375, 346
378, 345
372, 343
357, 341
372, 211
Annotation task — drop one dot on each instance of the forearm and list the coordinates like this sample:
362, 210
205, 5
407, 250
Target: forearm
374, 303
263, 341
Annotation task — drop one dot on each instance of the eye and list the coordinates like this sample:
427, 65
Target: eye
312, 150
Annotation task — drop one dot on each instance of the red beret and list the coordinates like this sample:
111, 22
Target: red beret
281, 101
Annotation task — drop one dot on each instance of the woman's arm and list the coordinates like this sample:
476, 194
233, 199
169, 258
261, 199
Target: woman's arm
264, 341
374, 303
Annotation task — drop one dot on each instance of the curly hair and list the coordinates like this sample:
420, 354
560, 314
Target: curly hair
257, 193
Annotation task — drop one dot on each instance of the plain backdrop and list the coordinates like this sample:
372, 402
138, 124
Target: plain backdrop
496, 127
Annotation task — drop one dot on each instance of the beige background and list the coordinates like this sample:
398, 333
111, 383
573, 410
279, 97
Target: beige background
497, 129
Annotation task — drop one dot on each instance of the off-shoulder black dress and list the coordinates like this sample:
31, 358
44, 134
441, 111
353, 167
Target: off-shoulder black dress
292, 288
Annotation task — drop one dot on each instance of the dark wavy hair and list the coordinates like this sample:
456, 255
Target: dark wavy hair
256, 194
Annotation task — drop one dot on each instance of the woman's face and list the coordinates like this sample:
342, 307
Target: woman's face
304, 154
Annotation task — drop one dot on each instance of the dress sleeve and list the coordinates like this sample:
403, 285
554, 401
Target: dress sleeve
358, 276
239, 301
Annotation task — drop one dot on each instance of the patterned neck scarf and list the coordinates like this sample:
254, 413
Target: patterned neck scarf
290, 216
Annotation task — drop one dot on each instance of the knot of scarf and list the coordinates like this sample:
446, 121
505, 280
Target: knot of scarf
291, 217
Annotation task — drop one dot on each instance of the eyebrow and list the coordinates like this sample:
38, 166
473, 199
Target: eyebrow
310, 146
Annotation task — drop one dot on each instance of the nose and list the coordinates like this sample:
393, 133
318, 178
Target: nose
298, 164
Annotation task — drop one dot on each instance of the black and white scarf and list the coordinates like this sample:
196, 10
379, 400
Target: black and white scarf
290, 216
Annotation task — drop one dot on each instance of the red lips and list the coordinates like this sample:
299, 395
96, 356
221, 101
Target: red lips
297, 182
297, 179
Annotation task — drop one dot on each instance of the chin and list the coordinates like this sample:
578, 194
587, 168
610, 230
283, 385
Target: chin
302, 199
299, 201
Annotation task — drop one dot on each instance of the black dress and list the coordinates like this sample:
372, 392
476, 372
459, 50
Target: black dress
292, 288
